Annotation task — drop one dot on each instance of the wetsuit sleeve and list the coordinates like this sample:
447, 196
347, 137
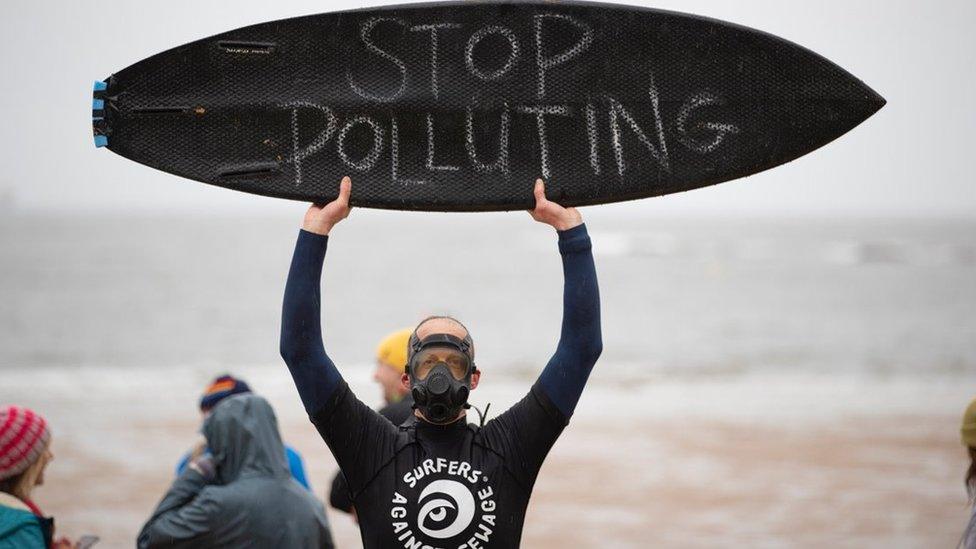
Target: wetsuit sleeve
580, 339
185, 513
360, 439
525, 433
315, 376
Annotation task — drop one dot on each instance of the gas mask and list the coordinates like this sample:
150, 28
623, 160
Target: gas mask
440, 368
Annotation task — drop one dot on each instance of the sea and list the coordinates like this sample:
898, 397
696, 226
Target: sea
680, 297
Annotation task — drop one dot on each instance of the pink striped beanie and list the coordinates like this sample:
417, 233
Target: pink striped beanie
23, 437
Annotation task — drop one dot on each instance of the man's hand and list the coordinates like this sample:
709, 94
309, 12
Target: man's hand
551, 213
320, 219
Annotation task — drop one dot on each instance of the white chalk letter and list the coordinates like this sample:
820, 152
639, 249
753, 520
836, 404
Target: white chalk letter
395, 157
540, 113
316, 145
433, 48
373, 155
501, 162
513, 51
659, 152
364, 34
430, 148
544, 62
720, 130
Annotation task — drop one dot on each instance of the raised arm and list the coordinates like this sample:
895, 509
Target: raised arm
315, 376
580, 340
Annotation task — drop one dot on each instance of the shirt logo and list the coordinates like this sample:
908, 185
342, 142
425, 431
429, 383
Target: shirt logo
437, 500
443, 504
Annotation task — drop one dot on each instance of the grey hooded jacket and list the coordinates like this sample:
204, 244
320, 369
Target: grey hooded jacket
252, 502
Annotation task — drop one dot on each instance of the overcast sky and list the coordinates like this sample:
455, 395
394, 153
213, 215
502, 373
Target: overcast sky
913, 158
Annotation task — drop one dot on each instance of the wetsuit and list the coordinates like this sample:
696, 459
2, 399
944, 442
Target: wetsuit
422, 485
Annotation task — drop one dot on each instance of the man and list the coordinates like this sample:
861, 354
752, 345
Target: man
437, 481
391, 360
241, 494
221, 388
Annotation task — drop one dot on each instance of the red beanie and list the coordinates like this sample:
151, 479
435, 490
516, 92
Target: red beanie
23, 437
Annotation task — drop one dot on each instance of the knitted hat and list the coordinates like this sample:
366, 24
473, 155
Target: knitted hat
221, 388
969, 425
392, 351
23, 437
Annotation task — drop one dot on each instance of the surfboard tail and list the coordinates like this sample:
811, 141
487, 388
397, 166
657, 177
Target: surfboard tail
100, 127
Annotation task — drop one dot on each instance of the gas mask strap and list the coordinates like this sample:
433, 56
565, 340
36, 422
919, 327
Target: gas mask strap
481, 416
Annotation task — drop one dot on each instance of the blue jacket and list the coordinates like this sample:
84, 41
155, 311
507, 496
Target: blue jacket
295, 465
19, 527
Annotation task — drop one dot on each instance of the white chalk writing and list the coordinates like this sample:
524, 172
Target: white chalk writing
430, 148
543, 62
367, 162
320, 140
501, 162
433, 28
592, 137
364, 34
659, 152
540, 112
720, 130
513, 52
395, 156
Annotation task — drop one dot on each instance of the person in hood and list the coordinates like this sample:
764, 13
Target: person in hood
25, 452
221, 388
241, 493
391, 363
968, 435
436, 480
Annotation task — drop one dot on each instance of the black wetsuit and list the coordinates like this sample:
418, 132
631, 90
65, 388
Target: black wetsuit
421, 485
397, 413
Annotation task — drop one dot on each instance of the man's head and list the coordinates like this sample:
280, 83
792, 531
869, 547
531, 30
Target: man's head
391, 363
219, 389
440, 369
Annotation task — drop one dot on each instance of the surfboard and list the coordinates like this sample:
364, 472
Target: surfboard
460, 106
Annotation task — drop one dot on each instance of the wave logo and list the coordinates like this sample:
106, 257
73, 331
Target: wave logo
447, 508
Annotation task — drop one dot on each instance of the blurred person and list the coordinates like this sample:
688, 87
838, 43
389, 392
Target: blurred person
437, 481
968, 432
25, 452
391, 361
240, 494
219, 389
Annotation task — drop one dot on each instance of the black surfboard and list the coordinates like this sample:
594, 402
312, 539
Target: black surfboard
459, 106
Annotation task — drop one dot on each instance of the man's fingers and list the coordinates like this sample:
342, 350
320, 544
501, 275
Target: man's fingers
345, 188
539, 191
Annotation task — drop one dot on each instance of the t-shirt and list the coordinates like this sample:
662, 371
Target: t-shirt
421, 485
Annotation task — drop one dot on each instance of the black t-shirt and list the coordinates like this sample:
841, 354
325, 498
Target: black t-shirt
426, 486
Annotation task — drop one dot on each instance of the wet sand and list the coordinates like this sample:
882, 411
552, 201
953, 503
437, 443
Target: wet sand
674, 465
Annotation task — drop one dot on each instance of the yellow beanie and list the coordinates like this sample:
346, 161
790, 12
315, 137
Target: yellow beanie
392, 351
969, 425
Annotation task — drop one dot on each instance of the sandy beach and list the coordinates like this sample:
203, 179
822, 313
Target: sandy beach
670, 464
